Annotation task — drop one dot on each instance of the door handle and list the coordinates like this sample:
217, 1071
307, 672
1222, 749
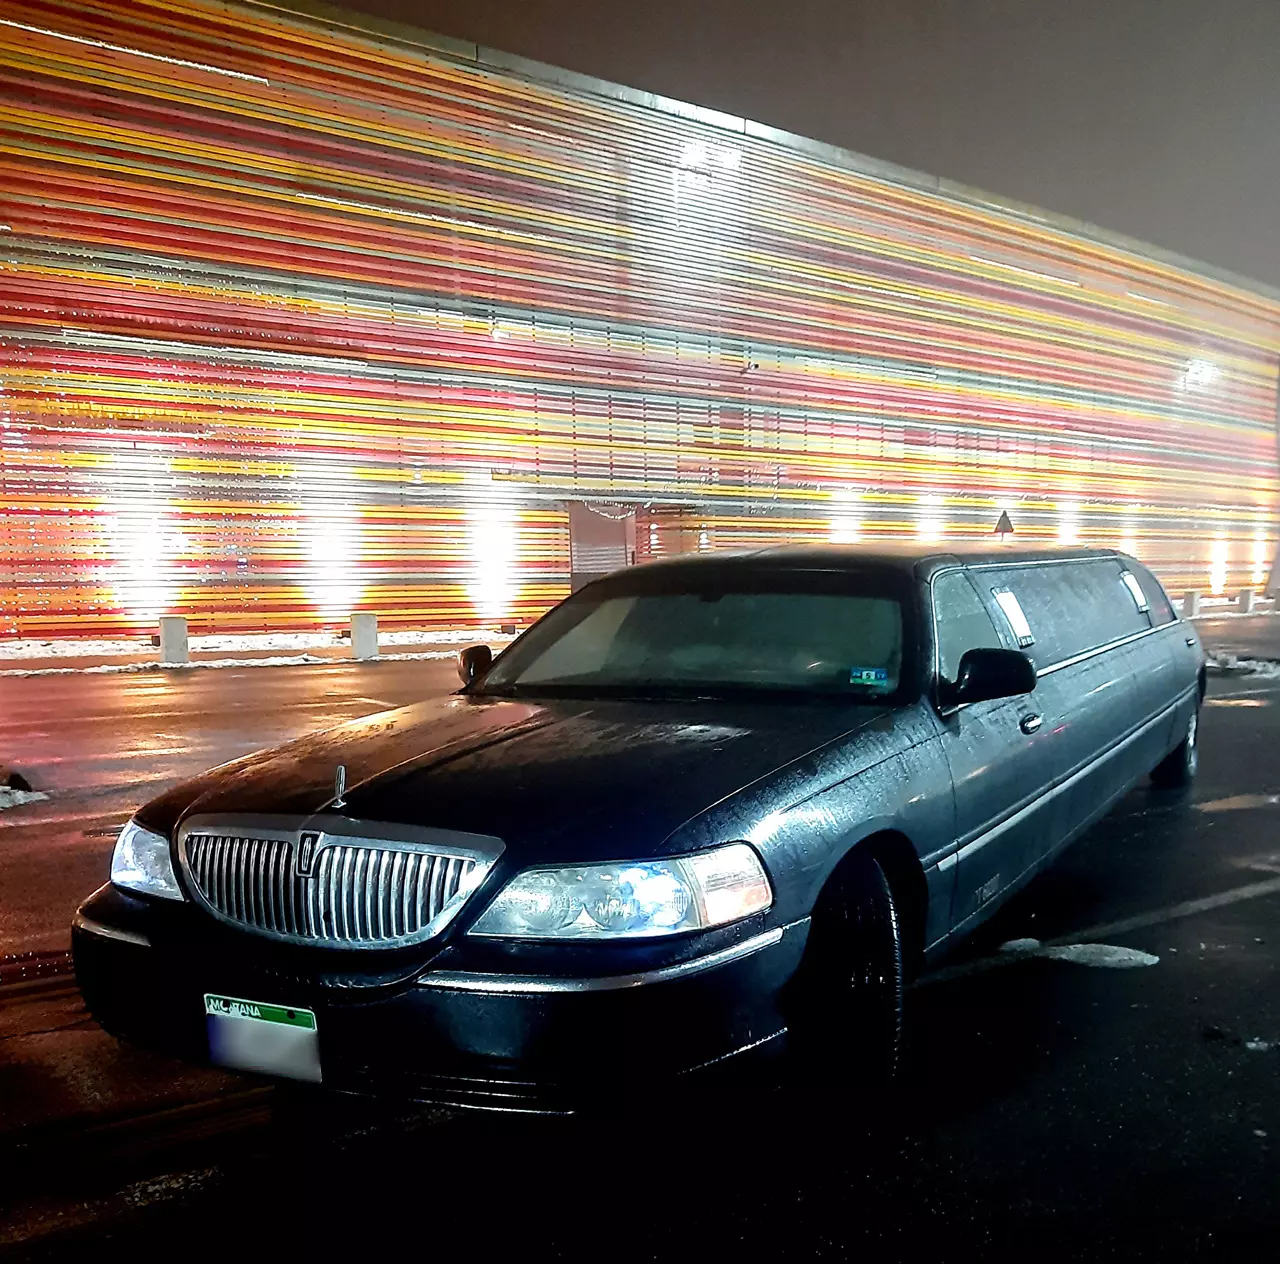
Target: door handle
1030, 723
1191, 642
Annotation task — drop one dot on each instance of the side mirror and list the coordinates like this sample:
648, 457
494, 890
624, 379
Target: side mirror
473, 662
987, 674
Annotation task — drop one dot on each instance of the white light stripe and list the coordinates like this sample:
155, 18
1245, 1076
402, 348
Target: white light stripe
1009, 267
398, 211
132, 52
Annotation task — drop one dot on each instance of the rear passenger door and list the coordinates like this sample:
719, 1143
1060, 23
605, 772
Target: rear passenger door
998, 769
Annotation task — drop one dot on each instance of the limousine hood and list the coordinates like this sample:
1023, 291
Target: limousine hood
580, 780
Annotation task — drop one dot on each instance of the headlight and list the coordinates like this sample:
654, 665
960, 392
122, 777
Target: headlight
141, 863
631, 899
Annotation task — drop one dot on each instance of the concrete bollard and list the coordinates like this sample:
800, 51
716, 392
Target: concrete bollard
1245, 600
364, 636
173, 639
1190, 604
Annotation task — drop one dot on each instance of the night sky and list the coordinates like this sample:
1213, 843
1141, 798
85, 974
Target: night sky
1156, 118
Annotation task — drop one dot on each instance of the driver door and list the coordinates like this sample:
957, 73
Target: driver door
998, 771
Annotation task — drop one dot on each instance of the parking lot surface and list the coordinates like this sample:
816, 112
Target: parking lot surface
1053, 1106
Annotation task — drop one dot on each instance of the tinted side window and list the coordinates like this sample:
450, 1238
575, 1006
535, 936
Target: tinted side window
1161, 607
1072, 607
961, 620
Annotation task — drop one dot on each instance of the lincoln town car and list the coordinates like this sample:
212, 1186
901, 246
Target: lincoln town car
715, 810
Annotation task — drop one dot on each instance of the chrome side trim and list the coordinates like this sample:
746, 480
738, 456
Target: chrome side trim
1046, 561
513, 984
103, 931
1102, 649
1063, 786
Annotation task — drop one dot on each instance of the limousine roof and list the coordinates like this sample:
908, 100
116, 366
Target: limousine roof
915, 560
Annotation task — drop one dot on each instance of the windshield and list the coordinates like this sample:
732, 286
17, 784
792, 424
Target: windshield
821, 634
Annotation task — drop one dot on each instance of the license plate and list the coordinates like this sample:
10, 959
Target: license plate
269, 1039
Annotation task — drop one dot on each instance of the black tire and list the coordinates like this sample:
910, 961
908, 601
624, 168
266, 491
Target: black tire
846, 1026
1179, 767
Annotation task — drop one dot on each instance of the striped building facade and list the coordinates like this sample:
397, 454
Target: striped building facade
299, 317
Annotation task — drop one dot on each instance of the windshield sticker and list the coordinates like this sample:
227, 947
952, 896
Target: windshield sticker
868, 675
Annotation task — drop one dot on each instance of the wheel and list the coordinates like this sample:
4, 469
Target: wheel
1179, 767
846, 1026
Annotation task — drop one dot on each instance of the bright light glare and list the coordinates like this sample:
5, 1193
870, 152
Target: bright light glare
332, 538
493, 545
1261, 557
143, 540
1218, 567
844, 525
931, 525
1068, 522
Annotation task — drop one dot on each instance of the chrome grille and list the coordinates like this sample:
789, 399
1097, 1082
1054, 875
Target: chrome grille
357, 895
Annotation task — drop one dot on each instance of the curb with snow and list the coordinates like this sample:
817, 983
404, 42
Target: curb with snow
289, 660
296, 641
17, 651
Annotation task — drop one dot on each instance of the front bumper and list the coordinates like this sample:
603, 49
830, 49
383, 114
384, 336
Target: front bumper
495, 1040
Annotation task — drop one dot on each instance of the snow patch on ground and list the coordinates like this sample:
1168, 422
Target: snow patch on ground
16, 798
1107, 956
1229, 664
299, 641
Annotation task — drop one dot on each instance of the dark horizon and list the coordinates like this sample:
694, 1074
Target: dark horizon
1160, 122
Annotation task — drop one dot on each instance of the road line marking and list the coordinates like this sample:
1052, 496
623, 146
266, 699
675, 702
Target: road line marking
1188, 908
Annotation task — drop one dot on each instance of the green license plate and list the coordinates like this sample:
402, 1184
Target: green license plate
256, 1036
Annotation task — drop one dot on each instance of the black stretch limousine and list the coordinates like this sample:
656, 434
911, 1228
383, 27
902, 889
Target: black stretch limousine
719, 804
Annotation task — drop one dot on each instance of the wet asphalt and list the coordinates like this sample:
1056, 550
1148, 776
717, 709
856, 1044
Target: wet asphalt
1048, 1110
101, 745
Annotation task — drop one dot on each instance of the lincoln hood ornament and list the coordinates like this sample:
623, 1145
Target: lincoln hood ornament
340, 786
